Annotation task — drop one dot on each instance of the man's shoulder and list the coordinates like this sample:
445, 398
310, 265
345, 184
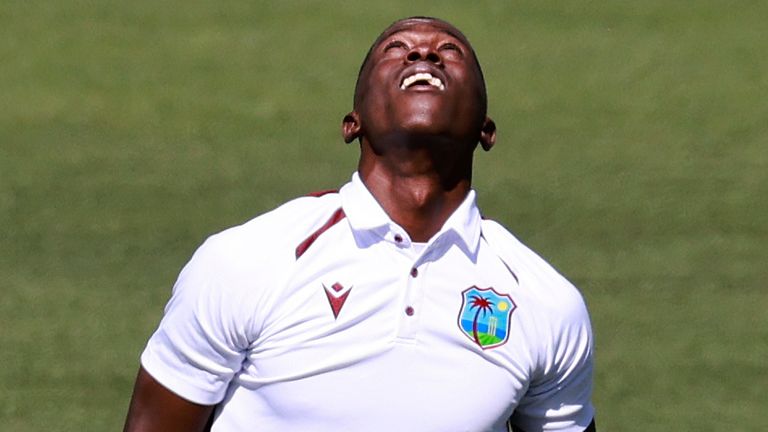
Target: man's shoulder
292, 218
535, 274
510, 248
275, 233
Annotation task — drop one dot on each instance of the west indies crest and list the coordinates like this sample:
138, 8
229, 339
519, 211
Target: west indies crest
485, 316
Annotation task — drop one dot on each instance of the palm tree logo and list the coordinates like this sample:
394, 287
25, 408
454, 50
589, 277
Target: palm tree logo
485, 316
483, 305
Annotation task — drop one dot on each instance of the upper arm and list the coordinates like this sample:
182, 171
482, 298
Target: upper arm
199, 345
155, 408
560, 393
205, 332
590, 428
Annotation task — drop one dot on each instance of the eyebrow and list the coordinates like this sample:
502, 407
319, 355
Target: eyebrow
447, 31
438, 25
455, 35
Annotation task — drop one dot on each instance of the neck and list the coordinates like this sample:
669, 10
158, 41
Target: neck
418, 188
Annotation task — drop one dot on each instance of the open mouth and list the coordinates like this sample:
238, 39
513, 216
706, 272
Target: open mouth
422, 79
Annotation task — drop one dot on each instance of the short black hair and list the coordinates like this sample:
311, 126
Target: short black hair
385, 33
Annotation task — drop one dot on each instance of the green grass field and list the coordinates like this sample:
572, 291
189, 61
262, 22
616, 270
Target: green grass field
632, 153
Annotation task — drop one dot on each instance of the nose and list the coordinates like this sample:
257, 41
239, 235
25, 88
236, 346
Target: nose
423, 52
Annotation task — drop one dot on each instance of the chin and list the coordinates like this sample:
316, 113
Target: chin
423, 129
425, 122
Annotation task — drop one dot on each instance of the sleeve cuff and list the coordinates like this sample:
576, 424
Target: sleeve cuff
173, 380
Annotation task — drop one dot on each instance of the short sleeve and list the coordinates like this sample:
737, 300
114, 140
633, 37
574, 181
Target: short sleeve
201, 341
559, 397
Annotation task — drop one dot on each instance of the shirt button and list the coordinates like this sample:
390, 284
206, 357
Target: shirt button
398, 238
409, 311
414, 272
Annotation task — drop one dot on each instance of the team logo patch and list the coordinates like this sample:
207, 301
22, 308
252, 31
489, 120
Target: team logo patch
337, 295
485, 316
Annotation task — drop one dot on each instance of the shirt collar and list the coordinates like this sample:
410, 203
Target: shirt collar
366, 216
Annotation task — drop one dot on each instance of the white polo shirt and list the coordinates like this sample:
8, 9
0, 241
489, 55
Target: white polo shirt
321, 316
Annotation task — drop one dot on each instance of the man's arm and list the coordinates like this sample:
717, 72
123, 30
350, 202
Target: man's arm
155, 408
590, 428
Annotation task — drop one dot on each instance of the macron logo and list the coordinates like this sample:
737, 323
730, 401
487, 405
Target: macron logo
337, 295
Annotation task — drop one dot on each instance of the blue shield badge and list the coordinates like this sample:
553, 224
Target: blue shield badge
485, 316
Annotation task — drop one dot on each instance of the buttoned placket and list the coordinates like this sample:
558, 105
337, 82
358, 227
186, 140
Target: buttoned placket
414, 279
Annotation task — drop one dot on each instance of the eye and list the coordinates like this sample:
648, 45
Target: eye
395, 44
448, 46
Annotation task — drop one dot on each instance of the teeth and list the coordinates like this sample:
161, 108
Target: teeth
422, 76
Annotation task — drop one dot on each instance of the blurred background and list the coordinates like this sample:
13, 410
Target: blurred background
632, 153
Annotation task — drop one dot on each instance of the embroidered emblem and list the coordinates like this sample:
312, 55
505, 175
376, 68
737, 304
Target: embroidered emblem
485, 316
337, 295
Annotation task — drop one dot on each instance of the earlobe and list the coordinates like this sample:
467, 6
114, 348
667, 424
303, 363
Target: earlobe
488, 134
350, 127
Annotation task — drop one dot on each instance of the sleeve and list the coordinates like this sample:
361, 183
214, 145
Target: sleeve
201, 341
559, 397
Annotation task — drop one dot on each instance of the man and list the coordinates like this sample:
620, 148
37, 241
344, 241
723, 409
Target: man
389, 305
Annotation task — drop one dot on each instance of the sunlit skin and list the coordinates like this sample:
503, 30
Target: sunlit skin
417, 144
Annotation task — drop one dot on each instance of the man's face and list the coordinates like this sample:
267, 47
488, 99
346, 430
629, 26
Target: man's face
421, 77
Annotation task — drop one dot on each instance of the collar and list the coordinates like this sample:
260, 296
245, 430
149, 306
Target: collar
372, 224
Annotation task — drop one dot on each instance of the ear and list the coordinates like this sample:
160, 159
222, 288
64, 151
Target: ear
350, 127
488, 134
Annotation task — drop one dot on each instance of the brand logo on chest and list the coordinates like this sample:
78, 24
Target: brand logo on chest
485, 315
337, 294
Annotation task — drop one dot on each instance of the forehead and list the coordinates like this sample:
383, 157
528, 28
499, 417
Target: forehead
418, 25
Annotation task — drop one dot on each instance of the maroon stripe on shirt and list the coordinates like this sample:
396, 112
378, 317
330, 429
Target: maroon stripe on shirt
320, 193
335, 218
502, 260
510, 270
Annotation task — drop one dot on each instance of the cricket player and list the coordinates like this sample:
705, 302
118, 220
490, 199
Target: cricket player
388, 305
